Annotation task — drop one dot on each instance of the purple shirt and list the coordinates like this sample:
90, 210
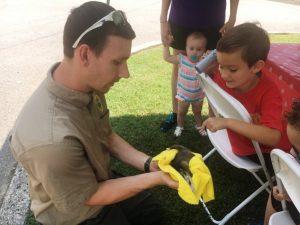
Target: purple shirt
198, 14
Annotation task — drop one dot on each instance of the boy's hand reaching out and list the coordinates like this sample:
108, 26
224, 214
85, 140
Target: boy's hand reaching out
215, 123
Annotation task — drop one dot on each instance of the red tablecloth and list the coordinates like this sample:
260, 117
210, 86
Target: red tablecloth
283, 65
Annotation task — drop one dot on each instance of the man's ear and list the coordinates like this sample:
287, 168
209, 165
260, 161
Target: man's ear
83, 53
258, 66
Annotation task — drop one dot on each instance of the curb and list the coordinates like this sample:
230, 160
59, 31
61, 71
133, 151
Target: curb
144, 46
14, 196
16, 202
7, 169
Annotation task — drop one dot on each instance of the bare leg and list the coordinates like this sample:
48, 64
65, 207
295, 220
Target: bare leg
174, 82
197, 109
269, 211
183, 108
170, 121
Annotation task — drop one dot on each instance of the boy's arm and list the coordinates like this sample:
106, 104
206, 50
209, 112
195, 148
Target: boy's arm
262, 134
168, 57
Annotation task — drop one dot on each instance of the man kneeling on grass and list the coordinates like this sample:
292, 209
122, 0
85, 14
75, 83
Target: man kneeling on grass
63, 137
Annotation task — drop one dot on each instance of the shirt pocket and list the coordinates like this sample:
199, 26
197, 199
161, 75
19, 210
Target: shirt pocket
104, 125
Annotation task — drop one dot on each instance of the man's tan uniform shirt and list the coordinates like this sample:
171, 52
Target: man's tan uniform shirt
60, 138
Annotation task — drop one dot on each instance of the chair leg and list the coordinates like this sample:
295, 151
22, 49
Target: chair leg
209, 154
261, 182
236, 209
209, 213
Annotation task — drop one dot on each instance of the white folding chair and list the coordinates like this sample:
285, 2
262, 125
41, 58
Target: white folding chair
287, 172
226, 106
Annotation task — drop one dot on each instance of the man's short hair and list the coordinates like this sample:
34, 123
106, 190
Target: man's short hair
83, 17
250, 38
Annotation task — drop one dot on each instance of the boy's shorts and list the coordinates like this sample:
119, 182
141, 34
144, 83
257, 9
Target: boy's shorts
267, 159
180, 34
290, 207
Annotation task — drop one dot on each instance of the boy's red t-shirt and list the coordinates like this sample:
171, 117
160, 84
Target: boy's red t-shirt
264, 104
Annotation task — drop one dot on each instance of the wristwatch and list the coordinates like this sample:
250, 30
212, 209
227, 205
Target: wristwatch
147, 165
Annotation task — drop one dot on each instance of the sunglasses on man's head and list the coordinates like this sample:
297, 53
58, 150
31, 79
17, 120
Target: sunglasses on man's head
118, 17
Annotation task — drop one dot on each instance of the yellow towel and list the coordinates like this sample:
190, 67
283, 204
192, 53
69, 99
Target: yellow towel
201, 177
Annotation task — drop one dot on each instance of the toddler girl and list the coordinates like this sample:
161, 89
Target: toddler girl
188, 86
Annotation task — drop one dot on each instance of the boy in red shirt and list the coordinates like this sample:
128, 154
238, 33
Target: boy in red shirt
241, 54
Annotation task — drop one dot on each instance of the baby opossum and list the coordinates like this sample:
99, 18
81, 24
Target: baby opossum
181, 163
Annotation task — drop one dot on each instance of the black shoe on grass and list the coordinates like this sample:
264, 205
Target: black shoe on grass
170, 122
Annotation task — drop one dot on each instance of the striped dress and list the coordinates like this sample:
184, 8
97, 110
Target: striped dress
188, 86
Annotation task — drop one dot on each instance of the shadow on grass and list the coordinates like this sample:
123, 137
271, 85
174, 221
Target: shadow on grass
231, 184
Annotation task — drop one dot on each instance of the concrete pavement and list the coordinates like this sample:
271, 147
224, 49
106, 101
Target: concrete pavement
31, 36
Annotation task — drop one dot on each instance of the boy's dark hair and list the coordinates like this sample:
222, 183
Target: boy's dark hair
250, 38
293, 116
83, 17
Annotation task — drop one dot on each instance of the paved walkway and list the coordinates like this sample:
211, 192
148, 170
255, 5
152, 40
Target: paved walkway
31, 36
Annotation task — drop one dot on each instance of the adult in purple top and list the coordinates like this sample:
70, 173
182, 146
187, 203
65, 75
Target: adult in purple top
198, 14
185, 17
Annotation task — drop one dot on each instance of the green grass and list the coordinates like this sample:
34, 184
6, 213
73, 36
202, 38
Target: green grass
137, 107
285, 38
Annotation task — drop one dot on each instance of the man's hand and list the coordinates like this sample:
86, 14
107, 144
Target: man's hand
167, 180
215, 123
154, 166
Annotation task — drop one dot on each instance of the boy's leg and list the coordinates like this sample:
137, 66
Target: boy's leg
274, 206
269, 210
